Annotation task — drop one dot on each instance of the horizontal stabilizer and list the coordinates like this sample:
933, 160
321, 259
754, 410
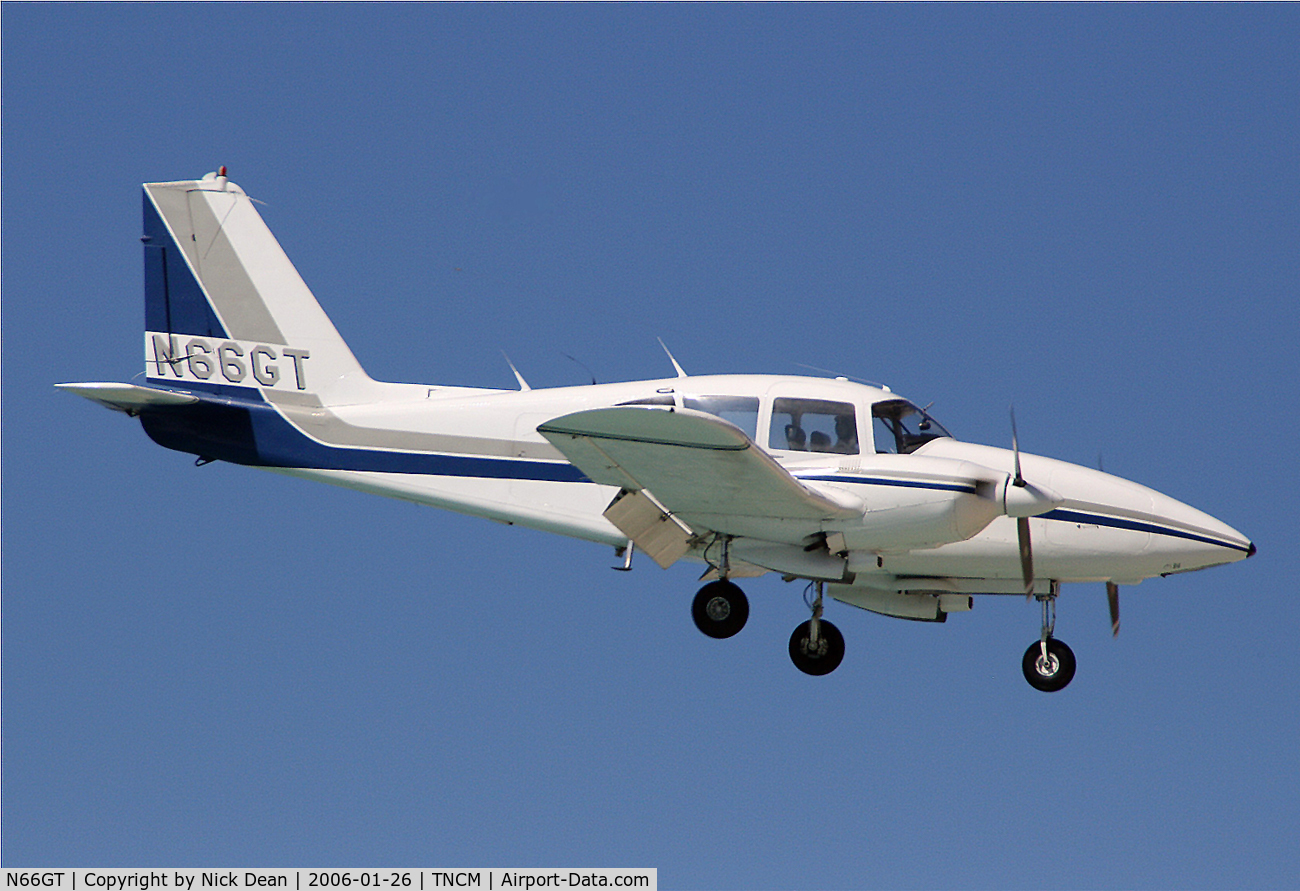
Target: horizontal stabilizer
129, 398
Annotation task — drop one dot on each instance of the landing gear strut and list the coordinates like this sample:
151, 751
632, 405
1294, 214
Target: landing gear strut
816, 647
720, 608
1048, 664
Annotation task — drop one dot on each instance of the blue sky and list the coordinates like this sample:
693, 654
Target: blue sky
1090, 212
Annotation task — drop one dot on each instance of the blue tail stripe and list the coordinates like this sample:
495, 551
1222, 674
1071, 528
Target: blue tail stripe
173, 299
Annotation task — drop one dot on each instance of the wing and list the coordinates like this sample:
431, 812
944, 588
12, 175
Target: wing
702, 470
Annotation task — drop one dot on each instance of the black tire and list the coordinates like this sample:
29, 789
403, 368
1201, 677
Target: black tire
720, 609
1055, 673
828, 655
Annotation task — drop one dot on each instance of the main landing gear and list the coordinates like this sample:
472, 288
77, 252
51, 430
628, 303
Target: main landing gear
1048, 664
720, 609
816, 647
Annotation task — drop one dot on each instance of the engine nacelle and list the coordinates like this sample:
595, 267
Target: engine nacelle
918, 606
917, 502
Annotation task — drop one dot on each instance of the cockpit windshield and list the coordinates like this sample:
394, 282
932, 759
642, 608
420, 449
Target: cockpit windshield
902, 428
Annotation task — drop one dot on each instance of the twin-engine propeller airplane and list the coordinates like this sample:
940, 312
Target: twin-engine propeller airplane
845, 485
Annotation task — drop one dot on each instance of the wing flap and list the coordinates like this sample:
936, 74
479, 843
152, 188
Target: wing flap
692, 462
663, 537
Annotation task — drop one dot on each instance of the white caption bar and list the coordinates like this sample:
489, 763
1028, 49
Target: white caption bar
313, 879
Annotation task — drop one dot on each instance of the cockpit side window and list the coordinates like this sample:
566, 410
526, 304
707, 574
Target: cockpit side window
739, 410
813, 425
902, 428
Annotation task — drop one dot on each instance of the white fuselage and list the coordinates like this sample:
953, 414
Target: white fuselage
915, 523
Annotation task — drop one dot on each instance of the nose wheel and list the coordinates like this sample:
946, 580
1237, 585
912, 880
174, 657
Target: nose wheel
1048, 664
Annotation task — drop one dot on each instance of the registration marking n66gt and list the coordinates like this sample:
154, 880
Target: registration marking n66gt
239, 363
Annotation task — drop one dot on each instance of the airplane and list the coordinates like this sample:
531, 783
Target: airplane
843, 485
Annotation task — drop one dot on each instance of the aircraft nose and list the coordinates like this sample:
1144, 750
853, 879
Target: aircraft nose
1187, 538
1179, 538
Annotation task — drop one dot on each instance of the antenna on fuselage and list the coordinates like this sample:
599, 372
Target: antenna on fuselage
680, 371
584, 367
523, 384
861, 380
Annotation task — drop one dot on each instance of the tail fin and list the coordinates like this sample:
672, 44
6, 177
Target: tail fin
224, 306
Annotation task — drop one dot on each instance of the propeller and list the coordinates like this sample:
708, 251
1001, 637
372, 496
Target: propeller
1022, 531
1022, 523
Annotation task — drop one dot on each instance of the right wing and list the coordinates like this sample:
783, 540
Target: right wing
702, 470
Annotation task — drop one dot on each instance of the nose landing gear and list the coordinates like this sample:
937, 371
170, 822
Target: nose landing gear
1048, 664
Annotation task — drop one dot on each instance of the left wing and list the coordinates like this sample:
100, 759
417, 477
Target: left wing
703, 470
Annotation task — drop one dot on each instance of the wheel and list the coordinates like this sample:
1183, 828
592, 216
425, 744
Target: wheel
720, 609
1053, 673
827, 655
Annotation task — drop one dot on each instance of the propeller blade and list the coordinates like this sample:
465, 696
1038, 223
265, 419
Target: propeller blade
1019, 480
1022, 523
1026, 555
1112, 598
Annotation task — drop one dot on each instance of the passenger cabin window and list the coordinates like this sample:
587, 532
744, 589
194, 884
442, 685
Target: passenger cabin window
814, 425
902, 428
739, 410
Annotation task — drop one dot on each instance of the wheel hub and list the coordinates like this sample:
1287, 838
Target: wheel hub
1047, 666
814, 651
718, 609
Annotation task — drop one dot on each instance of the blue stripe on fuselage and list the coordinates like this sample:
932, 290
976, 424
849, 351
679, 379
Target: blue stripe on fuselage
1060, 515
228, 425
1074, 516
882, 481
235, 428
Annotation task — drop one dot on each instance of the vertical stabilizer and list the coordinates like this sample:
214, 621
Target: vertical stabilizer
225, 307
